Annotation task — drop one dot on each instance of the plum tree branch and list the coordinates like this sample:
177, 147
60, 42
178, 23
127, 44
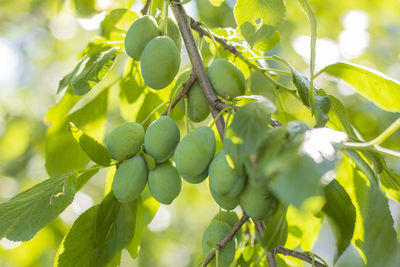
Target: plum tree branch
186, 87
228, 238
304, 256
198, 66
146, 7
196, 25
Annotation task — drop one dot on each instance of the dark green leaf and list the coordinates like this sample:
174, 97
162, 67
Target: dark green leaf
134, 245
25, 214
341, 215
93, 72
253, 35
98, 235
341, 117
247, 130
322, 103
96, 151
66, 80
377, 87
380, 244
276, 230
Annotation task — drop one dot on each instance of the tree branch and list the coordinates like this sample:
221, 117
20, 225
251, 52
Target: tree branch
271, 259
145, 9
228, 238
300, 255
198, 66
186, 87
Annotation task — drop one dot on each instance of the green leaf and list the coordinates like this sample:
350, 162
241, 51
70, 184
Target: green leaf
247, 129
216, 2
61, 109
377, 87
268, 44
267, 12
340, 117
63, 153
134, 246
96, 151
93, 72
276, 230
98, 235
322, 103
85, 8
116, 24
151, 101
24, 215
380, 244
254, 35
66, 80
341, 215
390, 182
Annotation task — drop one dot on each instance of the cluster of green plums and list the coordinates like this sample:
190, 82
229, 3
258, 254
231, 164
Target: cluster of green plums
159, 57
194, 162
135, 171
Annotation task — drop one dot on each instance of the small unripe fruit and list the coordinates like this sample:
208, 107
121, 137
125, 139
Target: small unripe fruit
256, 202
130, 179
231, 218
198, 108
142, 31
227, 80
161, 139
160, 62
125, 140
225, 180
194, 153
215, 233
173, 32
165, 183
225, 202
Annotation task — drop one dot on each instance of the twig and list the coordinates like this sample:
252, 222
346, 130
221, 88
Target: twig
186, 87
259, 228
228, 238
197, 65
300, 255
145, 9
271, 259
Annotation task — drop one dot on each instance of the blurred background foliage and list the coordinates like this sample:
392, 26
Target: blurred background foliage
39, 43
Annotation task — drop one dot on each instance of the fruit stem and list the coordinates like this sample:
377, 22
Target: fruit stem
186, 114
153, 111
165, 18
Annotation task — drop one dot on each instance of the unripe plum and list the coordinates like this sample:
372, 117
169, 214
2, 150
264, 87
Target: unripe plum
130, 179
125, 140
225, 180
142, 31
257, 202
215, 233
161, 139
160, 62
227, 80
165, 183
194, 153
